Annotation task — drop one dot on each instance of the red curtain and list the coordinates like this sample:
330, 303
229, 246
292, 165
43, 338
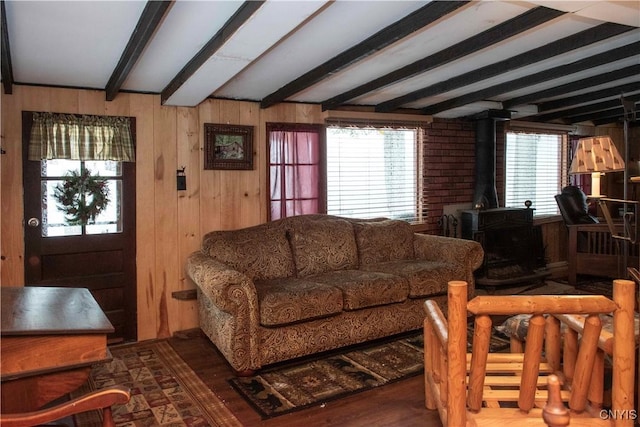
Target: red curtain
294, 170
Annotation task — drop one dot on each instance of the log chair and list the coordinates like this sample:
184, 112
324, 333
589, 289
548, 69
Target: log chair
486, 389
97, 400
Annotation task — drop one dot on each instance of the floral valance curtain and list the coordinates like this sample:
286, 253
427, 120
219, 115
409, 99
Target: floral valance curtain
67, 136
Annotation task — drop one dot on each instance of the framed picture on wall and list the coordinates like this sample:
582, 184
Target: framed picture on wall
228, 146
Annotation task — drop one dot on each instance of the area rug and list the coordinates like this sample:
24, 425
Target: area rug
595, 286
298, 385
164, 390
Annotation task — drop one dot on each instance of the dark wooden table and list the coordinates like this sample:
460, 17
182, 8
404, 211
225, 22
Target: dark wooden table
50, 337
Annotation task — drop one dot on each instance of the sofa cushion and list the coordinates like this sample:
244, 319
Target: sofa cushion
291, 300
425, 277
325, 245
381, 241
361, 289
260, 252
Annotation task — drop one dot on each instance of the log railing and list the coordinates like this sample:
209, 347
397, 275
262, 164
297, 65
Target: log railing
459, 385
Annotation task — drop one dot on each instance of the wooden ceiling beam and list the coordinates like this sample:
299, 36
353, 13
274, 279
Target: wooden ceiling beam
244, 12
584, 109
532, 79
577, 85
541, 53
153, 13
383, 38
492, 36
589, 97
609, 116
5, 60
613, 118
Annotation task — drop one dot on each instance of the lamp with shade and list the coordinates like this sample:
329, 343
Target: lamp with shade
596, 155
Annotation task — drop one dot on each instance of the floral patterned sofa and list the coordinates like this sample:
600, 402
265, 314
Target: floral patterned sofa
311, 283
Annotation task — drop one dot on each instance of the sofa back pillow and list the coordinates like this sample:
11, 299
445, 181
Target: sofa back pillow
382, 241
321, 245
260, 252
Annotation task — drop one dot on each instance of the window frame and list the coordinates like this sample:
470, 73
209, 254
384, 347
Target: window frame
421, 208
298, 127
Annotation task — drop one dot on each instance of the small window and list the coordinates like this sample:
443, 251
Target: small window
536, 170
295, 170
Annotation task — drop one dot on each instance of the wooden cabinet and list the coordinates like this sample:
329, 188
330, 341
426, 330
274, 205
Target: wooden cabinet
50, 339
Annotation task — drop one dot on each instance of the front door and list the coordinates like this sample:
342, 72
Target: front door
99, 255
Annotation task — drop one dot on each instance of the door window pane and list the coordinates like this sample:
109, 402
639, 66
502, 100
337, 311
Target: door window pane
54, 221
59, 167
104, 168
109, 220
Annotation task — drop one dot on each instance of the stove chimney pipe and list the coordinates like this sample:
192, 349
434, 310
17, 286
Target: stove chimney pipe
485, 194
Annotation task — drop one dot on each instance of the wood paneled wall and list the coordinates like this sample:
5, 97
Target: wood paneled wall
170, 223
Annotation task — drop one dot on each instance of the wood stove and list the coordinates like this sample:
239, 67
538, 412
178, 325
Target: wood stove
513, 247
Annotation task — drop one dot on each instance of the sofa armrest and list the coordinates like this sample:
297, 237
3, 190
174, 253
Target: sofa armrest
228, 309
466, 253
230, 290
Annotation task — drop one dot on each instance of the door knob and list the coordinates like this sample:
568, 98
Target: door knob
33, 222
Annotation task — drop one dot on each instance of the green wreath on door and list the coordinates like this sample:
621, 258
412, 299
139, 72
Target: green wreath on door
82, 197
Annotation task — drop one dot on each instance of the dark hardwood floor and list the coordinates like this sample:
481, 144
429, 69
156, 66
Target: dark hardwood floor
397, 404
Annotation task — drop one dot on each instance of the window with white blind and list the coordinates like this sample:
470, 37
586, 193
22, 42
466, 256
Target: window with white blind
535, 170
373, 172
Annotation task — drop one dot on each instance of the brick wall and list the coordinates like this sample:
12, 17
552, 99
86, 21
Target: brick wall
449, 174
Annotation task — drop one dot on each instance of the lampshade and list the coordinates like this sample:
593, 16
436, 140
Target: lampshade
596, 155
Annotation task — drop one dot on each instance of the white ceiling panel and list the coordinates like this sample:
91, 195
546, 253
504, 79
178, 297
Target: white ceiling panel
479, 17
69, 43
625, 12
79, 44
273, 21
338, 27
185, 30
557, 29
575, 77
472, 63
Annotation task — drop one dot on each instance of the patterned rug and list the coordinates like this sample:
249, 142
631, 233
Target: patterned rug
294, 386
595, 286
164, 390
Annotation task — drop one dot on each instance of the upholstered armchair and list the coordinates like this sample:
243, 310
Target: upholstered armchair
573, 206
